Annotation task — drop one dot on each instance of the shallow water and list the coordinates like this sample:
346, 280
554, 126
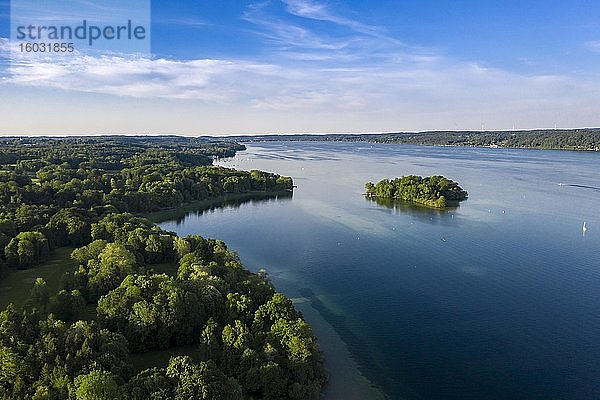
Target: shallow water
497, 299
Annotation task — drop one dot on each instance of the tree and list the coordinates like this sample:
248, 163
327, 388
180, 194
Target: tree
158, 311
84, 254
40, 357
27, 249
202, 381
71, 226
39, 294
151, 384
67, 305
210, 341
238, 306
271, 381
279, 307
113, 264
98, 385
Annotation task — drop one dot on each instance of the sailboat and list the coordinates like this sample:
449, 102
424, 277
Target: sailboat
584, 227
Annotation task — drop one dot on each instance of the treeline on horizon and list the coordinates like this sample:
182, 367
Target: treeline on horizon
559, 139
76, 343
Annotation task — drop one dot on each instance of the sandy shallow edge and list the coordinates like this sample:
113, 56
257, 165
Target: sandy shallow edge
345, 379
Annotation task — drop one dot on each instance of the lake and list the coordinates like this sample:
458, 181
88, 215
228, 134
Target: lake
496, 299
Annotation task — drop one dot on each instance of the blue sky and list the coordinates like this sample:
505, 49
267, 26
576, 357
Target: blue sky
225, 67
526, 36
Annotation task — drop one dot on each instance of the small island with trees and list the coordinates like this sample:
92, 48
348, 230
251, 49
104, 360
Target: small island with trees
432, 191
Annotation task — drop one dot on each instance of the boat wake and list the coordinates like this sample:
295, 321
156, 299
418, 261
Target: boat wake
580, 186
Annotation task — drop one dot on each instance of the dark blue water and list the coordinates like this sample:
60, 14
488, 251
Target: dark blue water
498, 299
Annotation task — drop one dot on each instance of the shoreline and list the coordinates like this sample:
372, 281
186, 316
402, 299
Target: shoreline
348, 381
588, 150
449, 206
175, 213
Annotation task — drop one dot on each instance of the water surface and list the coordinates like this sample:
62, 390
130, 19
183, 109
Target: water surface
497, 299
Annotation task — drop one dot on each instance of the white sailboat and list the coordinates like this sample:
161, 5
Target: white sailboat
584, 227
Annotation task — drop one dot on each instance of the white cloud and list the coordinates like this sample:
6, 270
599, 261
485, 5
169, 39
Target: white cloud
321, 12
593, 45
432, 88
289, 36
353, 41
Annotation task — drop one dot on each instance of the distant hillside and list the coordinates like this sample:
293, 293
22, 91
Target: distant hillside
563, 139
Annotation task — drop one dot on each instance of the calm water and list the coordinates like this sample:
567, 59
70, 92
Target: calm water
498, 299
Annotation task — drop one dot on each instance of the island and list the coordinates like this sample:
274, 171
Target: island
432, 191
100, 303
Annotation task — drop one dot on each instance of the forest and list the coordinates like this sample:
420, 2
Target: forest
135, 291
433, 191
559, 139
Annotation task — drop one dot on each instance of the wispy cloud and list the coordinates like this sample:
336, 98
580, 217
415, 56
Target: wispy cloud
321, 12
429, 88
292, 36
183, 22
303, 33
593, 45
287, 35
75, 11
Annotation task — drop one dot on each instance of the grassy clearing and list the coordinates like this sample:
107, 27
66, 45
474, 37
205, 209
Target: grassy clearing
165, 268
16, 286
160, 358
89, 313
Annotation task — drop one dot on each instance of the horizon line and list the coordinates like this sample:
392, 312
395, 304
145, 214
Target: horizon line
167, 134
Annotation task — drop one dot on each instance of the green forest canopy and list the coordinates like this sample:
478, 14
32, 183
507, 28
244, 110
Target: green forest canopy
433, 191
249, 341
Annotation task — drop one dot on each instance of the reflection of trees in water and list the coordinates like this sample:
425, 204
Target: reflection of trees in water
179, 215
417, 210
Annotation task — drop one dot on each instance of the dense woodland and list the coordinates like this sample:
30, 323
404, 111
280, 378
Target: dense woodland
564, 139
433, 191
247, 341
